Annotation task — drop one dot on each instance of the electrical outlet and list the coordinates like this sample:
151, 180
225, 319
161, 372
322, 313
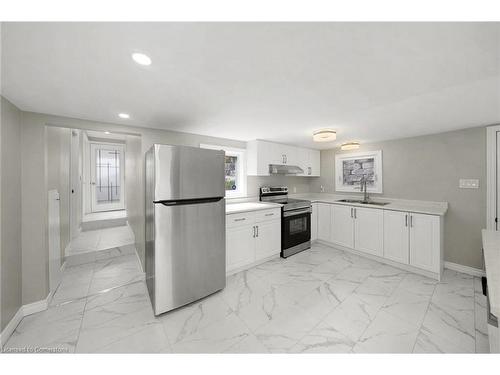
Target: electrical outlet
322, 188
294, 189
468, 183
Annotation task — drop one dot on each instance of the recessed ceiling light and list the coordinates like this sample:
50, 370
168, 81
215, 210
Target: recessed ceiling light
107, 133
141, 58
349, 146
324, 135
123, 115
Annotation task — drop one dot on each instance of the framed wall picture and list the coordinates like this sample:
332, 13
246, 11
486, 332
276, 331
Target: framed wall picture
350, 168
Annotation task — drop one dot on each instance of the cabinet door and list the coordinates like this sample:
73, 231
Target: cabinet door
315, 162
396, 236
303, 161
342, 226
369, 230
324, 221
290, 154
314, 222
240, 247
425, 241
268, 240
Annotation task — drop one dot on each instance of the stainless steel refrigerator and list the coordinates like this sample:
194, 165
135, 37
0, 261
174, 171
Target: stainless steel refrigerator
185, 225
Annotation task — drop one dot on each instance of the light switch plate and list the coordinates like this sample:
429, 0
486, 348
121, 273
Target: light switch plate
468, 183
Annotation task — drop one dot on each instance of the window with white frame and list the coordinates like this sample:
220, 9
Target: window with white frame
235, 168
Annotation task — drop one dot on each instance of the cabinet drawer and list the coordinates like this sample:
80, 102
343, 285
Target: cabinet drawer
265, 215
244, 218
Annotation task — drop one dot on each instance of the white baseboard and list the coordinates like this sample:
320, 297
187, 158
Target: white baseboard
37, 306
23, 311
464, 269
11, 326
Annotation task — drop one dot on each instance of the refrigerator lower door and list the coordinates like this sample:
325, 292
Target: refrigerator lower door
189, 253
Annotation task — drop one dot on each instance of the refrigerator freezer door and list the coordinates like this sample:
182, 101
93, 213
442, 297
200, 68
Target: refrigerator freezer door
183, 172
190, 253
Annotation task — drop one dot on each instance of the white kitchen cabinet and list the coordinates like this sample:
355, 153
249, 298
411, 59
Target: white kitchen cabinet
314, 221
342, 226
425, 241
324, 221
369, 230
410, 239
303, 157
252, 237
396, 236
315, 162
240, 247
268, 239
262, 153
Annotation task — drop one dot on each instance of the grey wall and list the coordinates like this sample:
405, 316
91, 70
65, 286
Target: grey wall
10, 243
428, 168
58, 153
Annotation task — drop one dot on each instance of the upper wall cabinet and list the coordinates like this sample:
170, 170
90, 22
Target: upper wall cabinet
262, 153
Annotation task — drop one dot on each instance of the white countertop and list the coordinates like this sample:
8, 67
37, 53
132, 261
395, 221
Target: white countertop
491, 248
233, 208
424, 207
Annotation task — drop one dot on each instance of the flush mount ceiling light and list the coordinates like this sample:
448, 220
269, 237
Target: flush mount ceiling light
141, 59
108, 133
123, 115
324, 135
349, 146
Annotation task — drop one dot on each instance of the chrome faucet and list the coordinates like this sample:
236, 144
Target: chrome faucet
362, 184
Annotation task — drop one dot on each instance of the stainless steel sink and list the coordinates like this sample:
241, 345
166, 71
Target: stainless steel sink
359, 201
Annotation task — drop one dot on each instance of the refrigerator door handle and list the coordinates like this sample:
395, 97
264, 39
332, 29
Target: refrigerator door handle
182, 202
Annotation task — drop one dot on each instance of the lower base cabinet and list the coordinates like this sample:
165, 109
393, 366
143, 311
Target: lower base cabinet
252, 237
314, 221
240, 247
268, 239
369, 230
407, 238
425, 242
396, 236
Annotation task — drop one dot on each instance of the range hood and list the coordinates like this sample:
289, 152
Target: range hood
284, 169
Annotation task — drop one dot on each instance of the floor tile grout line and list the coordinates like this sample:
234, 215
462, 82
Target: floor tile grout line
378, 311
425, 315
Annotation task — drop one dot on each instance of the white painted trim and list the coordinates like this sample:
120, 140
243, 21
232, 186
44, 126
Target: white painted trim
11, 326
491, 175
33, 308
242, 168
23, 311
464, 269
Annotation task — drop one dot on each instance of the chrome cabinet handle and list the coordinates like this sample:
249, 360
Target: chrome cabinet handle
257, 235
351, 212
355, 216
253, 231
406, 220
241, 219
411, 221
269, 215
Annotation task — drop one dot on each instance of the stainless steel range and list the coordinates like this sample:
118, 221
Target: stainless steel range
295, 219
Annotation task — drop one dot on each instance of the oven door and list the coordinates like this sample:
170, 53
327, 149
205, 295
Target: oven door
295, 230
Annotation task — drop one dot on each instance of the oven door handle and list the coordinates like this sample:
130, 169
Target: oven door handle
297, 212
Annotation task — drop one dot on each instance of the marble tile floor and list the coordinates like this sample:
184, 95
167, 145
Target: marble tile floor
320, 301
89, 244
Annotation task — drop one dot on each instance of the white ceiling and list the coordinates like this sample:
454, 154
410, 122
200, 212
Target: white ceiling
275, 81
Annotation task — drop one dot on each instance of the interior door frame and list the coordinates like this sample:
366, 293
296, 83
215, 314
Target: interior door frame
491, 176
93, 203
